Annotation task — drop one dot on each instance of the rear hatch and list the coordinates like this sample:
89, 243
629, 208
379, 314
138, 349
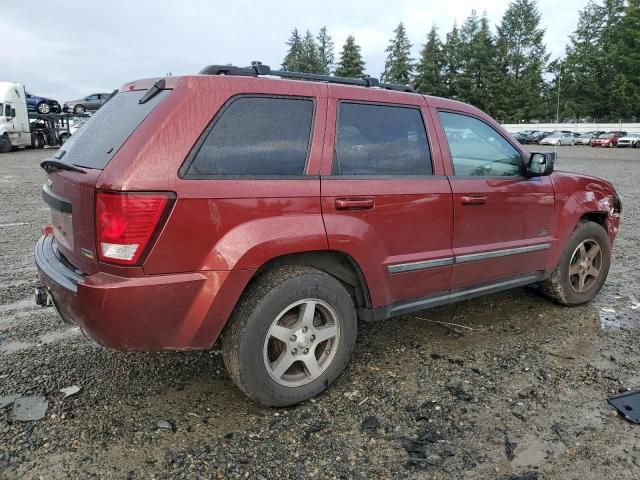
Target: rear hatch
72, 174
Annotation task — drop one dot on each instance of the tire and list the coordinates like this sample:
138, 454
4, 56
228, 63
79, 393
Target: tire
37, 141
566, 288
274, 305
63, 138
43, 108
5, 144
79, 109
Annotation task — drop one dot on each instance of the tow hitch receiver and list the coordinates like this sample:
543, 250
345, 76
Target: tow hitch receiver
42, 296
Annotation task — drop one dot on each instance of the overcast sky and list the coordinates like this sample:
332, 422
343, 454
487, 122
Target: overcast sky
68, 49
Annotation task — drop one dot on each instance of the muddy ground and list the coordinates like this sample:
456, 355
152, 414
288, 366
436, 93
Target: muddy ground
521, 395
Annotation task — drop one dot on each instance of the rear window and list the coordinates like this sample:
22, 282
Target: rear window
96, 143
256, 136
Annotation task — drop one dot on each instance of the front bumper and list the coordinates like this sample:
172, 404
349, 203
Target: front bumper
173, 312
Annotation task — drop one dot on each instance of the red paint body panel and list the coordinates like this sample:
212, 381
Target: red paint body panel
221, 231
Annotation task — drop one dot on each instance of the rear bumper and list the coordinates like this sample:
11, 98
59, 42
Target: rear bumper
175, 312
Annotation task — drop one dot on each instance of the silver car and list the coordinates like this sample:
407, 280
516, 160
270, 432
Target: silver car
631, 140
559, 139
90, 103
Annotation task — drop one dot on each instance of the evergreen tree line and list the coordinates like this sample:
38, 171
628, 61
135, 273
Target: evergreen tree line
507, 73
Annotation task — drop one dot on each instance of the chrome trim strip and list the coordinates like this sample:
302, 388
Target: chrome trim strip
412, 266
472, 257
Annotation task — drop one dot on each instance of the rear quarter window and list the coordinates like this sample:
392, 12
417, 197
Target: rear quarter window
100, 138
256, 136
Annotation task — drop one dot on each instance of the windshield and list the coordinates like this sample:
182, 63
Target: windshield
100, 138
606, 135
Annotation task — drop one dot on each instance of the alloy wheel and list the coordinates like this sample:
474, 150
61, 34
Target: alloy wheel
301, 342
44, 108
585, 266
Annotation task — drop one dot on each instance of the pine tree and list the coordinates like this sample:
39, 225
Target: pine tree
292, 61
452, 52
399, 64
310, 61
325, 50
476, 82
522, 58
429, 77
351, 63
626, 55
592, 62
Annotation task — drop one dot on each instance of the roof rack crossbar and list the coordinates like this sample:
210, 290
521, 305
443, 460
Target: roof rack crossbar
257, 69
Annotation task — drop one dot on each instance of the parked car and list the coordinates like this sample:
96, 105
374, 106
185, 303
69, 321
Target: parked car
535, 136
89, 103
585, 138
42, 105
221, 227
521, 137
607, 139
559, 139
631, 140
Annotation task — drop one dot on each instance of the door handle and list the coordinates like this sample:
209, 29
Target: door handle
474, 199
354, 203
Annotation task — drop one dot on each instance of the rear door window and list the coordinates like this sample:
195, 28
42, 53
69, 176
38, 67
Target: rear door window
256, 136
96, 143
381, 140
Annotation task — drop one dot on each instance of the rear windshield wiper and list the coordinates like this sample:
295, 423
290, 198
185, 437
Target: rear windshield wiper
51, 165
155, 89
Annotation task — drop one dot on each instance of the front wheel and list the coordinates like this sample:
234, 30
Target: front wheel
583, 267
79, 109
290, 336
5, 144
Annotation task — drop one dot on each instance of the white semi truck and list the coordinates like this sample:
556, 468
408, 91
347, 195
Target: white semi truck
19, 128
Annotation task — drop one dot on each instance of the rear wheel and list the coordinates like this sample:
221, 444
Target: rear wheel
290, 336
583, 266
79, 109
43, 108
5, 144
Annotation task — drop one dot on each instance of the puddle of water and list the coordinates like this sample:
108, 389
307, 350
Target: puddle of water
534, 452
53, 337
27, 303
623, 312
47, 338
13, 347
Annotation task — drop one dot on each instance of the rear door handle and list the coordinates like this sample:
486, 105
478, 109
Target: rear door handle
474, 199
354, 203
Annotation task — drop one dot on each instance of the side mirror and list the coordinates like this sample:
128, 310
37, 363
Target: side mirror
541, 164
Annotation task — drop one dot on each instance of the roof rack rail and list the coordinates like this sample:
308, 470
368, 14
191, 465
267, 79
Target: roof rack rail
257, 68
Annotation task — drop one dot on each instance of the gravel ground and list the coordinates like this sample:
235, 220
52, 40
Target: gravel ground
521, 394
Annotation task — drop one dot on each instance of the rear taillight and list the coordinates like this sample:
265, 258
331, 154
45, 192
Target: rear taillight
126, 223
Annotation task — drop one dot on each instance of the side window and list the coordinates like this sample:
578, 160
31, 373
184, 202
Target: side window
477, 149
7, 110
257, 136
381, 140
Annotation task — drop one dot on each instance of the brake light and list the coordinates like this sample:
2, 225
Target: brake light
126, 222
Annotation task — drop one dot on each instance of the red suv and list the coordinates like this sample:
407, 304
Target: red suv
607, 139
274, 209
